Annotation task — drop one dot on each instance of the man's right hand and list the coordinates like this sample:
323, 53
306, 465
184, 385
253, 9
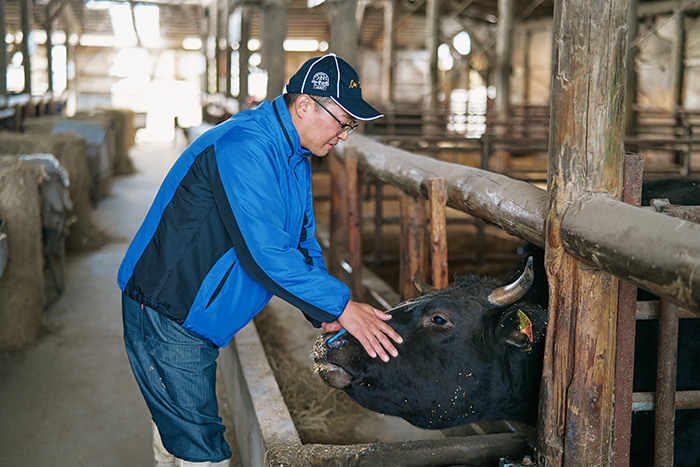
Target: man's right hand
367, 325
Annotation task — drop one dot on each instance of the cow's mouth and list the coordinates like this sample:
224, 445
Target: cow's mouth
333, 375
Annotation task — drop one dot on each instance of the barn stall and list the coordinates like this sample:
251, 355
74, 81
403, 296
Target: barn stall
689, 142
591, 239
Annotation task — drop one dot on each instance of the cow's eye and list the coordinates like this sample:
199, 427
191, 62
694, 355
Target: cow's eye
439, 320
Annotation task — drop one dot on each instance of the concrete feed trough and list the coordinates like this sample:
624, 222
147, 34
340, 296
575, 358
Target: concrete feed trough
267, 435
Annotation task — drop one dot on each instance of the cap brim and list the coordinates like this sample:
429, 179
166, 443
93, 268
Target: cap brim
358, 109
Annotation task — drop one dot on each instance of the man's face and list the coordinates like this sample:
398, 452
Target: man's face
319, 132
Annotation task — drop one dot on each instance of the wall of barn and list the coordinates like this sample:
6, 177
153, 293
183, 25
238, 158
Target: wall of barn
692, 63
410, 75
536, 37
654, 63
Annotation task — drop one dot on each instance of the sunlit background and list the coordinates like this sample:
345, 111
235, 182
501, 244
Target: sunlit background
165, 81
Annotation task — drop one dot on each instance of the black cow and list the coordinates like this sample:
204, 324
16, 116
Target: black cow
473, 351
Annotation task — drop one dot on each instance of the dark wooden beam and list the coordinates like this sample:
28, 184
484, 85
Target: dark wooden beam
438, 232
585, 158
3, 53
601, 231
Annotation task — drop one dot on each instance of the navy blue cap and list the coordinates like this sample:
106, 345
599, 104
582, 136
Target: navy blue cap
331, 76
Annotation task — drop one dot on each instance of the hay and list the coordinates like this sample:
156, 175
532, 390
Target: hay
122, 123
118, 139
71, 152
22, 283
321, 415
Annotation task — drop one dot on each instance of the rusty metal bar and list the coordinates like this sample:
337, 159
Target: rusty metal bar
626, 323
624, 373
644, 401
650, 310
354, 224
688, 213
665, 401
438, 232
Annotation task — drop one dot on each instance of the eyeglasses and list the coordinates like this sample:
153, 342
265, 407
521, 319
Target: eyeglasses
345, 128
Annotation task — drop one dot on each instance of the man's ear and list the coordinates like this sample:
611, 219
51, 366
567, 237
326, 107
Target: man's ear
302, 105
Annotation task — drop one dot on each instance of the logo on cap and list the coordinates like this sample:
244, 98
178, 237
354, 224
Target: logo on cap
353, 84
320, 81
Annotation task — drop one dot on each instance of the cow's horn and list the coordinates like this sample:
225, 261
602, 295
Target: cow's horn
511, 293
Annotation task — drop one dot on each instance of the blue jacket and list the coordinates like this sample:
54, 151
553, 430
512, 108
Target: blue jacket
232, 224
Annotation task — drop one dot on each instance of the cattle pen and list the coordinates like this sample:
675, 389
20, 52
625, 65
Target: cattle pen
616, 229
598, 250
610, 232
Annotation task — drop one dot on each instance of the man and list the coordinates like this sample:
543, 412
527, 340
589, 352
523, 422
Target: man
231, 225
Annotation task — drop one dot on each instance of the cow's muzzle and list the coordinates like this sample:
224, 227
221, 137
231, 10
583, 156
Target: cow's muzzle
332, 374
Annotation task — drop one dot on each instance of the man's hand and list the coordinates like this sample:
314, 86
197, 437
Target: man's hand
367, 325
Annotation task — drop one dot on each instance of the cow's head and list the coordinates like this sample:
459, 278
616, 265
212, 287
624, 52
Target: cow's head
470, 351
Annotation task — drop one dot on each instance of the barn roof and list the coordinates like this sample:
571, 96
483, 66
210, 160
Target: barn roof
180, 19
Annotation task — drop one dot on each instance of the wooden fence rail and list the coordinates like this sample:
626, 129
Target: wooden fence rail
413, 264
607, 233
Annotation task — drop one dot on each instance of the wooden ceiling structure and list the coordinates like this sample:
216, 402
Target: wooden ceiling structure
180, 19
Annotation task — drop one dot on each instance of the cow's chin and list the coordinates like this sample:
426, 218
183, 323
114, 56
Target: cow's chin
333, 375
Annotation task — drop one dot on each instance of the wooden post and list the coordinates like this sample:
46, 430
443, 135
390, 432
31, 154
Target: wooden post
411, 248
388, 53
339, 218
3, 52
26, 11
527, 76
438, 232
354, 204
504, 47
224, 45
631, 97
243, 56
585, 156
678, 51
343, 29
48, 26
378, 222
274, 32
431, 44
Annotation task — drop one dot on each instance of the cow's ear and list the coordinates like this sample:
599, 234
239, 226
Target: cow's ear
422, 287
515, 328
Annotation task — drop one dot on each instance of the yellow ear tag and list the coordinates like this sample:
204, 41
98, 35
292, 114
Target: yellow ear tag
525, 325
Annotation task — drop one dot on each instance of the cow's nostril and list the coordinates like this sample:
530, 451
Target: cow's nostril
333, 342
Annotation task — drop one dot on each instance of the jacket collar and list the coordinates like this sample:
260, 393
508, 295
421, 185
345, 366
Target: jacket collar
285, 121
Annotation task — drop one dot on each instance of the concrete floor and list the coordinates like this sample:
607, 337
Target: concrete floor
71, 399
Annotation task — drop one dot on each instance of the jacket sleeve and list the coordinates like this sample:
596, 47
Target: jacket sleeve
246, 186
